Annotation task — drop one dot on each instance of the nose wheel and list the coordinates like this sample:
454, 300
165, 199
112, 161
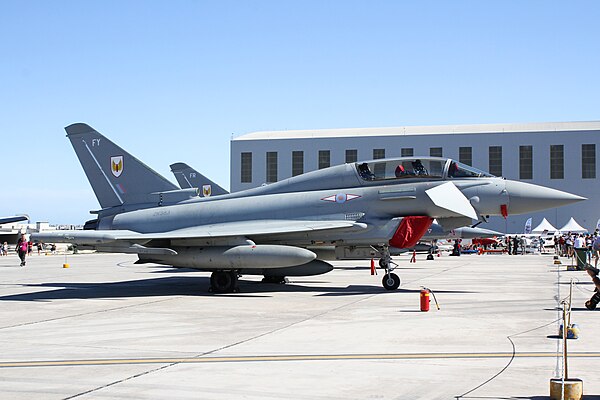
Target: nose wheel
391, 281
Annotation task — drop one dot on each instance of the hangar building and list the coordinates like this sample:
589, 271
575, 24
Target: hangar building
560, 155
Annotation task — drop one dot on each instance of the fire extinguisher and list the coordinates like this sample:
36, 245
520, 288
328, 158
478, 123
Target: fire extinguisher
424, 299
425, 292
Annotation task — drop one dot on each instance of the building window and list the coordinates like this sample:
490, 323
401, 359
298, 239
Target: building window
324, 159
407, 152
465, 155
495, 160
271, 166
297, 163
378, 153
435, 152
246, 165
588, 161
351, 156
557, 161
525, 162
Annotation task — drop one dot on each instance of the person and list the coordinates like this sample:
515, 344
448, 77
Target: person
596, 250
22, 248
593, 302
39, 248
509, 245
5, 249
515, 245
569, 245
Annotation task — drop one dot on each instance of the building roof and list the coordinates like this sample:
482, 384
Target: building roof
424, 130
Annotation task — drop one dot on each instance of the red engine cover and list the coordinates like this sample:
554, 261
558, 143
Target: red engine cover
410, 230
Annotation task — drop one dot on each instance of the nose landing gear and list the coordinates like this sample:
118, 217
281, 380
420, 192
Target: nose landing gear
390, 280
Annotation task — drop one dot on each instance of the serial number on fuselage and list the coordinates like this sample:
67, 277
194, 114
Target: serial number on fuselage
161, 213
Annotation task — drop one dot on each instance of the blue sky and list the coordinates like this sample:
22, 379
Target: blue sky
172, 81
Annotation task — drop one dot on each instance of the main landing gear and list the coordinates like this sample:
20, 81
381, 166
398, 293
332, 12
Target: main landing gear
224, 282
390, 280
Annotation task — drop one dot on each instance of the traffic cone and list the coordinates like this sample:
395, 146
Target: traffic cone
372, 267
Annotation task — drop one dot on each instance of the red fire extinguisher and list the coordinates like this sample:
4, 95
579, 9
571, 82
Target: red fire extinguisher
424, 299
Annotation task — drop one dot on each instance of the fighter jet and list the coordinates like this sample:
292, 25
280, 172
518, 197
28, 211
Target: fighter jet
187, 177
361, 209
15, 218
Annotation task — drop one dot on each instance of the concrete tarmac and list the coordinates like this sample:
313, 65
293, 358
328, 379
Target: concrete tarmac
108, 329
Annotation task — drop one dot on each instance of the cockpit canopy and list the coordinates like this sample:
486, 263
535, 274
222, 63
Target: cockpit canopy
419, 168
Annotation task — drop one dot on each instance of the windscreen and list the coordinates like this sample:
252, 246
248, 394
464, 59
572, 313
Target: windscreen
460, 170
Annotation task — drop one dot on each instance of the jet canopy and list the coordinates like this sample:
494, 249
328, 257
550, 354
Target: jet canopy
416, 168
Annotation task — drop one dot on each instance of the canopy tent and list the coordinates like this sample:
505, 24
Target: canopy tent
573, 226
544, 226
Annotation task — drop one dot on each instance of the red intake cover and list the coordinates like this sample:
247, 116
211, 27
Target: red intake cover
410, 230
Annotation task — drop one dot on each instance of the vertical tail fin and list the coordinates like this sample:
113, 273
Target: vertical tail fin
188, 177
116, 176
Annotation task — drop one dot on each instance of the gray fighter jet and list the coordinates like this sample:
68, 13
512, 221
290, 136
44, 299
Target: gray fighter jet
361, 209
14, 218
187, 177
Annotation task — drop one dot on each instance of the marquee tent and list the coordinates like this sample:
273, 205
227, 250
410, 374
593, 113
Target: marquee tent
573, 226
544, 226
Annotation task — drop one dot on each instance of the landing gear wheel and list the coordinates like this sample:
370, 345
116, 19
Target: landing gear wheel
223, 282
391, 281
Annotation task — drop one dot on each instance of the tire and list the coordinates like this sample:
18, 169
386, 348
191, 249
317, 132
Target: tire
391, 281
223, 281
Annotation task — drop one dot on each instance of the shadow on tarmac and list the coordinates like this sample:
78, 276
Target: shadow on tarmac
185, 286
586, 397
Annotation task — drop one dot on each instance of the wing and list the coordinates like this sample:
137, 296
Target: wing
16, 218
132, 242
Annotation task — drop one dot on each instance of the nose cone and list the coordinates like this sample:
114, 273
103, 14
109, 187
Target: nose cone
526, 197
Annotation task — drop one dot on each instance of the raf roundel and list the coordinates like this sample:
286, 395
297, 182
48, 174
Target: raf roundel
340, 198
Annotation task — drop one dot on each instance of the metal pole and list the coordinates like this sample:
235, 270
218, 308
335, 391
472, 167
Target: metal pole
564, 332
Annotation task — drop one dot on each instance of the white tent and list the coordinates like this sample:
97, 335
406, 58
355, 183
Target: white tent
543, 226
573, 226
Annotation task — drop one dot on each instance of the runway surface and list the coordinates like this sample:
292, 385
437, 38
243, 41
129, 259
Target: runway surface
108, 329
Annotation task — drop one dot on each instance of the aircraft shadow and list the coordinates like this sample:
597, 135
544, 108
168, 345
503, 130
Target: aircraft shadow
185, 286
379, 270
586, 397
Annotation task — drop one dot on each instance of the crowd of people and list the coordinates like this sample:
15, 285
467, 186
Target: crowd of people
25, 247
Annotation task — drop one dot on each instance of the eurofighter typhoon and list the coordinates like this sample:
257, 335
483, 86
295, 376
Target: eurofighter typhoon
291, 227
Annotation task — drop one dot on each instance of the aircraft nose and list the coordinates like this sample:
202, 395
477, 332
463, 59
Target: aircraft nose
526, 197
